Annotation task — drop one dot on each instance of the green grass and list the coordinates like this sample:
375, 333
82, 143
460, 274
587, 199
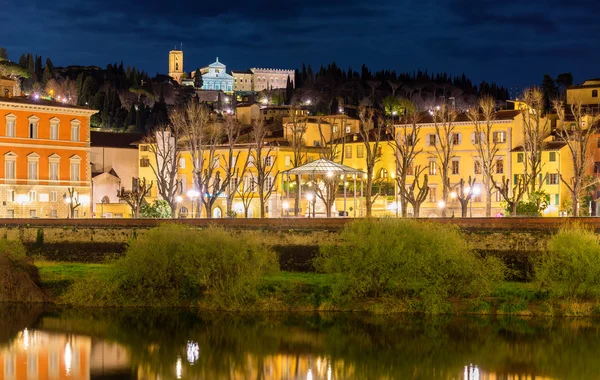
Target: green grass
312, 279
58, 276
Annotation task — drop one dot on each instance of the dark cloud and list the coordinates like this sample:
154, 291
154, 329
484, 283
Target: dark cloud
511, 42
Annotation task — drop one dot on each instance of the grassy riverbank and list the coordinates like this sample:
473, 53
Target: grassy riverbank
312, 292
380, 266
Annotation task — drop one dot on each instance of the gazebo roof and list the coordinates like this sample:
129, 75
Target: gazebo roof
323, 166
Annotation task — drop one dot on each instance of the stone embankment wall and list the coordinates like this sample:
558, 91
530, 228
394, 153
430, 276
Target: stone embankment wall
516, 240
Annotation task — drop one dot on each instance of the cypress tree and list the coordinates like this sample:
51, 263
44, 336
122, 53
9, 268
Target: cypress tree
48, 71
289, 90
38, 67
79, 85
198, 82
23, 61
30, 66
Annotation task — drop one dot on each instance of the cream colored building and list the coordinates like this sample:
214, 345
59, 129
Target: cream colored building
270, 79
242, 81
114, 164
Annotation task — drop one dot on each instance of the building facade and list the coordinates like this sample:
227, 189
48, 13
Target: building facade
242, 81
45, 149
216, 78
113, 159
270, 79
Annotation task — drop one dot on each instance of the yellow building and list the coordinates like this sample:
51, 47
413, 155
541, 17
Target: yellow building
587, 93
343, 131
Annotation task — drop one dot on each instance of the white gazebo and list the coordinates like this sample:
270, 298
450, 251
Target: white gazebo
323, 167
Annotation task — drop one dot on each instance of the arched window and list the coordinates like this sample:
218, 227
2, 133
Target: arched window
105, 199
383, 173
594, 93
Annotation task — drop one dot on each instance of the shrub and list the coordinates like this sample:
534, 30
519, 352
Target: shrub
571, 267
174, 264
401, 258
160, 209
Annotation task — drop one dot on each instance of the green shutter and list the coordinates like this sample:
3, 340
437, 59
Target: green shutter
547, 179
556, 199
515, 179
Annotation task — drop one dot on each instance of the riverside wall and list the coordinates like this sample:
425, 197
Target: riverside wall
516, 240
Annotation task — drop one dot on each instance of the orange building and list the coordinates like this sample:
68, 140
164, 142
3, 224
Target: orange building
44, 152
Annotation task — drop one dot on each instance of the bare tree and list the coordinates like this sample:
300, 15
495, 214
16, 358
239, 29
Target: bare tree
165, 145
192, 121
512, 196
486, 144
464, 195
211, 184
264, 163
297, 130
232, 129
535, 130
405, 142
445, 140
417, 194
135, 198
246, 189
577, 135
371, 137
73, 201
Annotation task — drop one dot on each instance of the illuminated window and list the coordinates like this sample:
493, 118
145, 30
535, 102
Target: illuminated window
432, 168
348, 151
360, 151
499, 137
456, 139
33, 127
500, 166
11, 121
455, 167
432, 194
75, 128
32, 166
552, 179
477, 168
75, 168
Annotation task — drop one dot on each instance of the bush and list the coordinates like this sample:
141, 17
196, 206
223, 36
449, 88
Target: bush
160, 209
571, 267
174, 264
407, 258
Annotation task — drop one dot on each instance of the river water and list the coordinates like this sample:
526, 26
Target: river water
173, 344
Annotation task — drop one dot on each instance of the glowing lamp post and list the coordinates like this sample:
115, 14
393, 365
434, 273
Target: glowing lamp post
453, 197
310, 198
22, 200
476, 191
193, 194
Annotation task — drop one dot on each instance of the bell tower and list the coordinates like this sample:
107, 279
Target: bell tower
176, 65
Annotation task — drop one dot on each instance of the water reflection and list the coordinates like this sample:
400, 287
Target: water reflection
134, 344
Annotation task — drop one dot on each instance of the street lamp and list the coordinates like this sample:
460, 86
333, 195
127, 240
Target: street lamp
310, 197
22, 200
453, 197
286, 208
441, 204
476, 191
193, 194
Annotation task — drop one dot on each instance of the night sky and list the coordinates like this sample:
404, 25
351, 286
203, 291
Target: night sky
510, 42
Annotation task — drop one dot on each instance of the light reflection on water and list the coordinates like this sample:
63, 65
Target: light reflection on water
183, 345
